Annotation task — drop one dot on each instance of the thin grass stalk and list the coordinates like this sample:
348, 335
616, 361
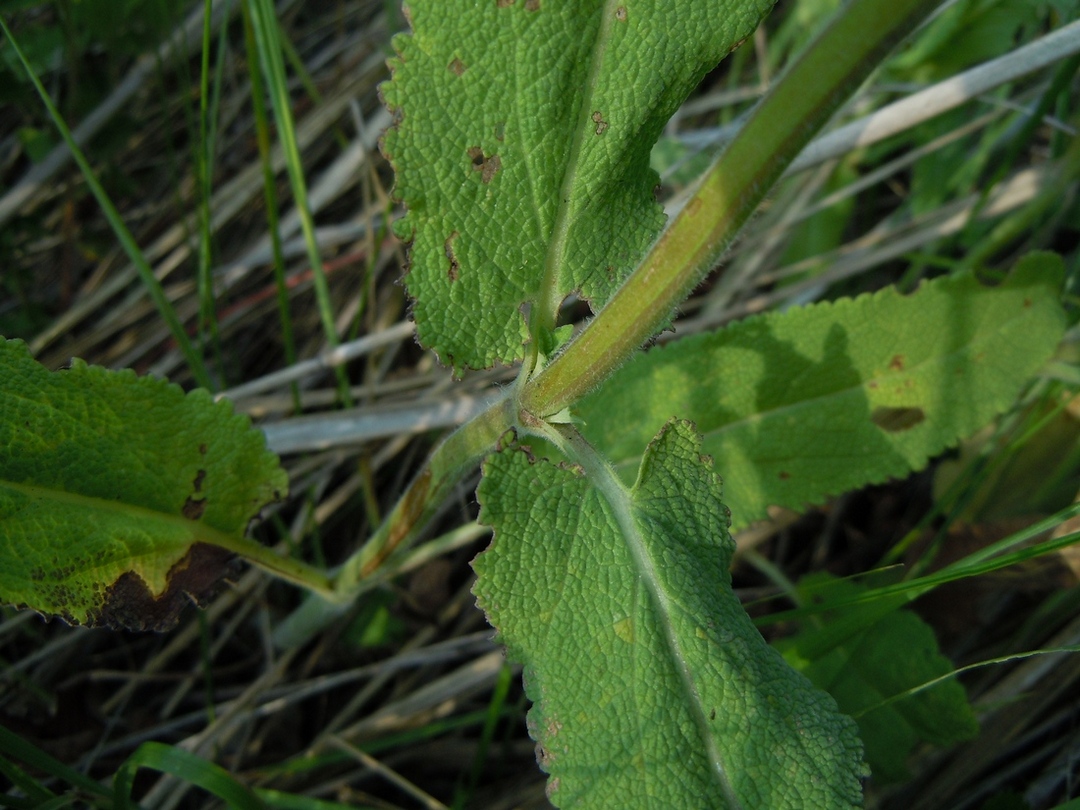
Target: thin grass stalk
208, 327
269, 48
127, 240
273, 216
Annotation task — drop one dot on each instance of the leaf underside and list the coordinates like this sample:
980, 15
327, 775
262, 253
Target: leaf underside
521, 151
651, 685
800, 405
113, 488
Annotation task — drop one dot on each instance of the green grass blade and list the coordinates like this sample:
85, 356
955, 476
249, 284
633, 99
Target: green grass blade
188, 767
269, 48
992, 558
36, 793
930, 684
290, 801
273, 218
12, 745
127, 241
203, 160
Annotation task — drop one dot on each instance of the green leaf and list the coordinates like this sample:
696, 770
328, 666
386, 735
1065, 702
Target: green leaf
651, 686
120, 495
522, 152
817, 400
187, 766
890, 655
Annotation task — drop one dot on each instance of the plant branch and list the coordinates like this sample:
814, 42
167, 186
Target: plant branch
838, 61
451, 461
819, 81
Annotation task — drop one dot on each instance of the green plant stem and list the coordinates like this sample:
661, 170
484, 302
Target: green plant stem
801, 102
838, 61
286, 568
448, 464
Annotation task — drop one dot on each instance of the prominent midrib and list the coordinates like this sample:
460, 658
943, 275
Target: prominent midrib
200, 532
618, 497
546, 309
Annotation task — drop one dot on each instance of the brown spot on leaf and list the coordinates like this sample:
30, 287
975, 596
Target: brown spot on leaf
897, 363
129, 604
200, 476
504, 3
193, 508
894, 420
448, 248
532, 5
784, 475
601, 124
457, 67
488, 166
1027, 303
620, 14
491, 167
202, 449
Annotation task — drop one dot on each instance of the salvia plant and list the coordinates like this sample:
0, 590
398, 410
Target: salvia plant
521, 143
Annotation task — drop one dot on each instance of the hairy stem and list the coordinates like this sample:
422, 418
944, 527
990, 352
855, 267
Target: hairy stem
457, 456
819, 81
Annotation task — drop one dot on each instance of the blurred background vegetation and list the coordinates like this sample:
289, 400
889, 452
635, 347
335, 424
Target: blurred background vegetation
406, 702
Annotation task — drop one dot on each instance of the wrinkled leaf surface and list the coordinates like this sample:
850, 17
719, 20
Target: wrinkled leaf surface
114, 488
521, 151
800, 405
651, 686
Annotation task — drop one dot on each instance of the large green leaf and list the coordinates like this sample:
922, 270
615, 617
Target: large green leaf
652, 688
799, 405
118, 493
521, 151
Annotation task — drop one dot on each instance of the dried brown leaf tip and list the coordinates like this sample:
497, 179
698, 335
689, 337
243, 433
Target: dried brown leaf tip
129, 604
